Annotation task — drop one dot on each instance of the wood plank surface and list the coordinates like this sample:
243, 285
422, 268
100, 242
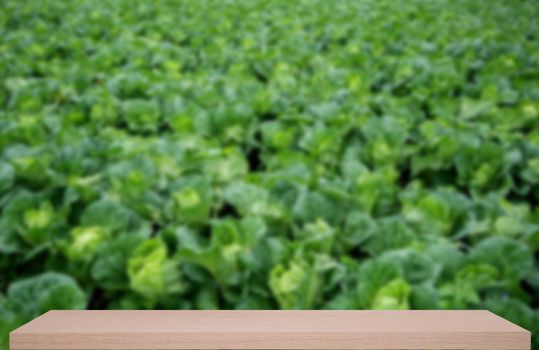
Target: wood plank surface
301, 330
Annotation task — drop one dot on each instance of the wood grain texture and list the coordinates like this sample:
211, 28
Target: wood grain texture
301, 330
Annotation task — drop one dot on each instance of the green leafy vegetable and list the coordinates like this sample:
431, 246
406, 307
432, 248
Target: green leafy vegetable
352, 154
33, 296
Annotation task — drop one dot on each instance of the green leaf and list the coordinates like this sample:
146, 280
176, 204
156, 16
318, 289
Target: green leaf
150, 273
512, 259
191, 201
229, 251
9, 320
424, 297
36, 295
358, 228
374, 275
376, 190
111, 216
110, 267
251, 200
390, 233
141, 115
311, 206
417, 267
7, 177
85, 241
298, 284
35, 221
392, 296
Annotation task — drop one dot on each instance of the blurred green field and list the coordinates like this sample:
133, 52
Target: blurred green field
269, 154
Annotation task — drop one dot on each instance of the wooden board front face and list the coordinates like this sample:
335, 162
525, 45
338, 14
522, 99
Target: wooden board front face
269, 330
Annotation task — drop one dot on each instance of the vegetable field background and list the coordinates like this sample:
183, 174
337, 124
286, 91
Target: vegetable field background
269, 154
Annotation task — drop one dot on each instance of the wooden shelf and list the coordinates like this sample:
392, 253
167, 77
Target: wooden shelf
253, 330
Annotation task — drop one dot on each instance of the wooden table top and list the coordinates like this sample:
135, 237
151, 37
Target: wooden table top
301, 330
